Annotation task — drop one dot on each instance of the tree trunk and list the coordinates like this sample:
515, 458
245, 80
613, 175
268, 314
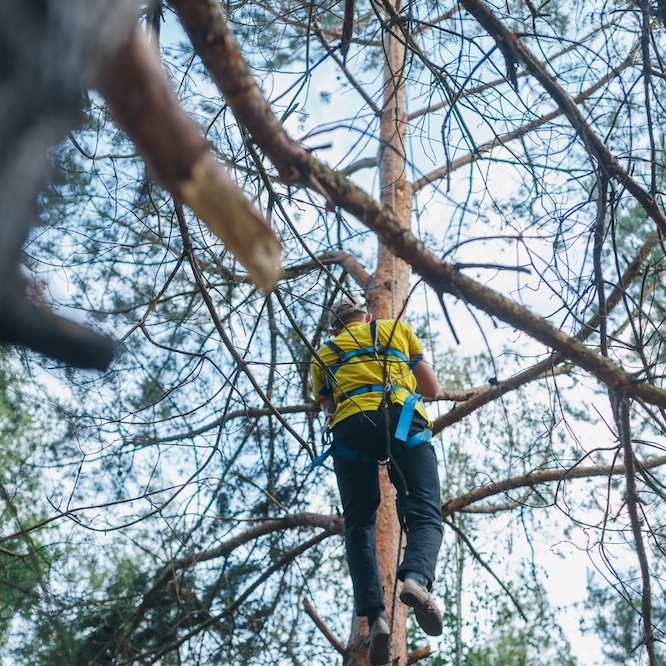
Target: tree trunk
387, 294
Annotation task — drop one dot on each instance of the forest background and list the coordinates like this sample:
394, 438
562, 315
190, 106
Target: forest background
492, 172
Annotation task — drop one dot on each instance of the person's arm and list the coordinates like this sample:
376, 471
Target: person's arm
325, 403
427, 383
326, 406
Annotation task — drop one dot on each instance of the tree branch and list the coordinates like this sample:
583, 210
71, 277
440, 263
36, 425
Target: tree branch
330, 524
242, 365
323, 627
515, 51
146, 107
546, 476
622, 419
214, 43
525, 129
27, 324
286, 559
217, 47
477, 556
416, 655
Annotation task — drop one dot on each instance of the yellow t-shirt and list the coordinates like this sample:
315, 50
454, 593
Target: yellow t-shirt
367, 369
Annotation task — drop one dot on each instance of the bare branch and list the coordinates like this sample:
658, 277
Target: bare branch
145, 105
284, 561
206, 26
501, 140
215, 44
546, 476
241, 363
516, 52
321, 625
416, 655
622, 418
477, 556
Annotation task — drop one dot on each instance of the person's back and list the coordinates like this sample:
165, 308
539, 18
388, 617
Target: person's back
387, 348
365, 380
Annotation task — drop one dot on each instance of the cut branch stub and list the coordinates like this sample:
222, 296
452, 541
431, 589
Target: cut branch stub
179, 158
216, 46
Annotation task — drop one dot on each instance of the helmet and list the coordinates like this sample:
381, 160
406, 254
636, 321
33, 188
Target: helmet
343, 307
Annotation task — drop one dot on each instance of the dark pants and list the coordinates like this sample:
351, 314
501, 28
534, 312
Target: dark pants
413, 472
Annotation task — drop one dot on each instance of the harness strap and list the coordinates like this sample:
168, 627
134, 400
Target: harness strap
373, 350
408, 408
415, 360
343, 451
405, 421
368, 388
406, 416
401, 434
344, 356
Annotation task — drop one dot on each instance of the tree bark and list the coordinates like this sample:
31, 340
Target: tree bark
387, 294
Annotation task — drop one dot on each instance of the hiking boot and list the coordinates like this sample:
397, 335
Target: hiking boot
380, 636
427, 614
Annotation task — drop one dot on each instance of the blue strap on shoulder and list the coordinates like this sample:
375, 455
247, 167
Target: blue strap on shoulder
415, 360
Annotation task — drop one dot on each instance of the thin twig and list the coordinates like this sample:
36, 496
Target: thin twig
486, 566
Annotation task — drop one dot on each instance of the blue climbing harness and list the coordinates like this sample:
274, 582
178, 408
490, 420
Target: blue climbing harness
406, 413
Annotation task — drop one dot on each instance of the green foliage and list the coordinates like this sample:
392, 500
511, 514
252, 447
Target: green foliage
26, 558
19, 587
518, 646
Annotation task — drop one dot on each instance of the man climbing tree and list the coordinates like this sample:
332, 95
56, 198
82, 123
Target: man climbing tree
368, 381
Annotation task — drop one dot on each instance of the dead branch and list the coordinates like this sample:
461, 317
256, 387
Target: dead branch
330, 524
501, 140
537, 478
485, 394
347, 28
217, 47
145, 106
477, 556
548, 367
416, 655
469, 92
622, 419
214, 43
323, 627
240, 362
284, 561
341, 63
345, 260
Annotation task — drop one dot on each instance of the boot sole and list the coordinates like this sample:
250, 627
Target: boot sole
379, 650
428, 621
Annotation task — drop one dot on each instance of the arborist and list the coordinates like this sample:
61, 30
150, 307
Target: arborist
368, 380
